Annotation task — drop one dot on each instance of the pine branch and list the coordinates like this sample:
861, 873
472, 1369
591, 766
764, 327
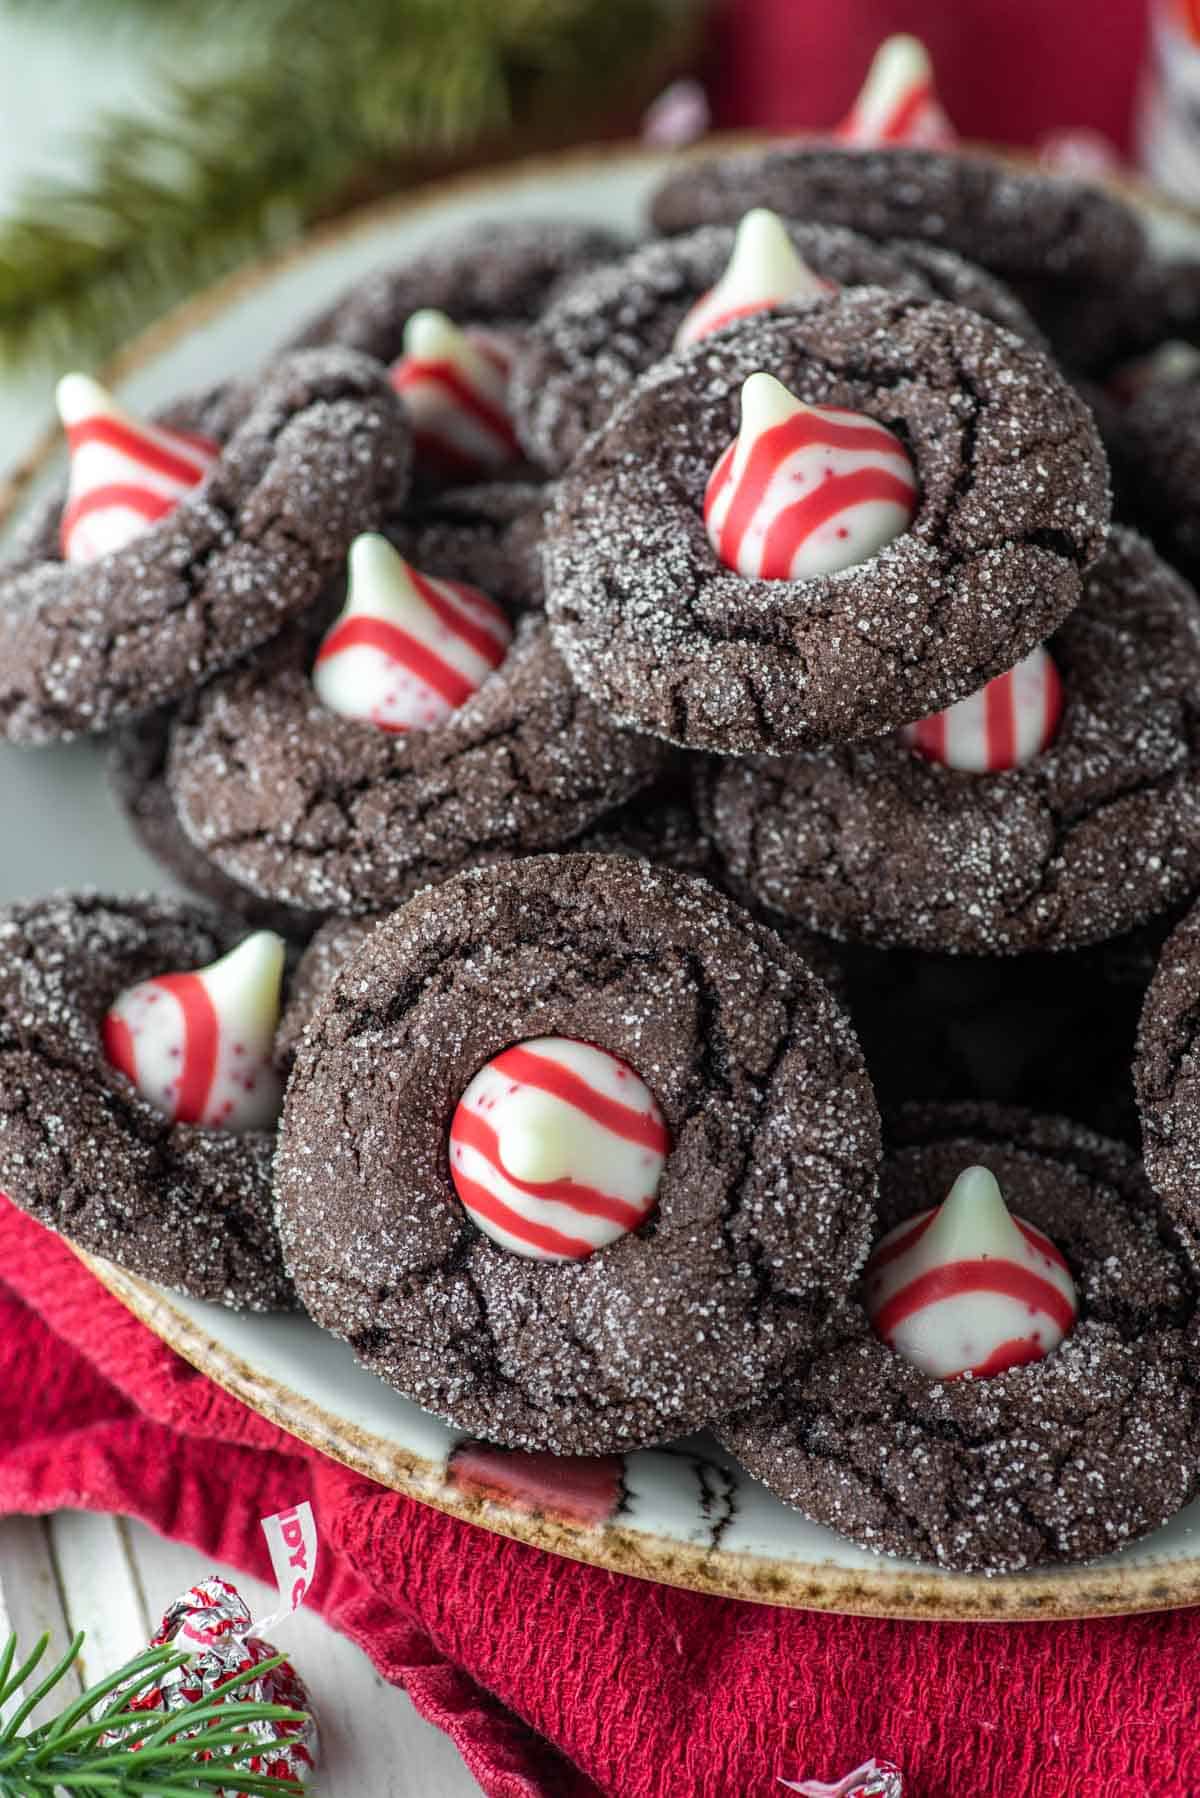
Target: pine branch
317, 100
102, 1743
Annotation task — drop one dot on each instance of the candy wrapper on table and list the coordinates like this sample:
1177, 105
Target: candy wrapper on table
212, 1621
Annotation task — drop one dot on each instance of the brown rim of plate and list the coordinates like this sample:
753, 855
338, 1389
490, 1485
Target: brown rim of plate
1051, 1596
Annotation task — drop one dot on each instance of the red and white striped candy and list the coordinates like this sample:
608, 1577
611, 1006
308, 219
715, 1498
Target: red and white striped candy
406, 650
1008, 722
198, 1045
967, 1287
557, 1148
455, 389
897, 103
763, 270
804, 490
125, 475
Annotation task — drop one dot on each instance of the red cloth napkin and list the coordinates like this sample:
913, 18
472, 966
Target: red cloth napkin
1008, 71
561, 1681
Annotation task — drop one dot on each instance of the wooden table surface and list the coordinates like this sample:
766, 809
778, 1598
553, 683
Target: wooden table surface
107, 1575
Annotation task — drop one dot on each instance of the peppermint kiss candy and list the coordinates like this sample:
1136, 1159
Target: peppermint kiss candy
125, 475
967, 1287
804, 490
763, 271
455, 389
199, 1045
1004, 725
897, 103
557, 1148
406, 650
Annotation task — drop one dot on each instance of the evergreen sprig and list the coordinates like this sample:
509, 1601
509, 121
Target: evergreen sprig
311, 105
89, 1750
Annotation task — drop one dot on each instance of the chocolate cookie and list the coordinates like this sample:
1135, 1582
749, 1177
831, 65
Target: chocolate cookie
753, 1094
606, 328
500, 272
1012, 506
1061, 1459
336, 815
1167, 1082
81, 1149
873, 842
313, 453
137, 768
1027, 227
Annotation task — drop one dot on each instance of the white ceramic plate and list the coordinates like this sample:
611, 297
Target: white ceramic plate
686, 1515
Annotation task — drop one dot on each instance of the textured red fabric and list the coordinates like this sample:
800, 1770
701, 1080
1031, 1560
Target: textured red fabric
1008, 71
559, 1681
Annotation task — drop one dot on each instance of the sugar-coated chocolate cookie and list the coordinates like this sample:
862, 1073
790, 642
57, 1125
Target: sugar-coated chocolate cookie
137, 770
874, 842
498, 273
313, 453
81, 1149
1026, 226
495, 529
335, 814
730, 1070
607, 327
1060, 1459
1012, 505
1167, 1079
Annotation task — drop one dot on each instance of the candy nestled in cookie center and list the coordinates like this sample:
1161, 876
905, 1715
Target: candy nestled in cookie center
454, 385
198, 1045
406, 650
897, 103
967, 1287
805, 490
764, 270
124, 475
1005, 725
557, 1149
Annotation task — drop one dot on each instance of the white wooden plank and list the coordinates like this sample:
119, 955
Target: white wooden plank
33, 1602
374, 1745
100, 1589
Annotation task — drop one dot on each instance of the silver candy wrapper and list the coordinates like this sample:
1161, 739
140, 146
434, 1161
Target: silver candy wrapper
212, 1621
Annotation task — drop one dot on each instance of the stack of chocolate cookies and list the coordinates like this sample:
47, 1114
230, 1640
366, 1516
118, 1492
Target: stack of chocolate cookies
691, 786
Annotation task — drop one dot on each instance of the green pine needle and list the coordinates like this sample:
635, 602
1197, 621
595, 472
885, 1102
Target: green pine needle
76, 1752
314, 104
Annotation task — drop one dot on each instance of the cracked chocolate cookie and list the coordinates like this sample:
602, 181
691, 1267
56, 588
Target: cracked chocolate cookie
1099, 831
81, 1148
137, 770
315, 452
1029, 228
351, 811
1007, 499
605, 329
498, 273
1058, 1459
1167, 1080
575, 1154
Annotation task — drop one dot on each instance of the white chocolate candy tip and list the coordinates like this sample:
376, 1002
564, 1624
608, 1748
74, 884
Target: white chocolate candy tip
897, 103
372, 557
250, 974
78, 396
534, 1138
764, 270
434, 337
766, 402
967, 1288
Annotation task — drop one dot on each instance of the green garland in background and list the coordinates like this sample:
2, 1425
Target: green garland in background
316, 104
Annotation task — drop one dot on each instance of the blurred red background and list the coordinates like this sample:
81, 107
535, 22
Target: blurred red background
1007, 70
